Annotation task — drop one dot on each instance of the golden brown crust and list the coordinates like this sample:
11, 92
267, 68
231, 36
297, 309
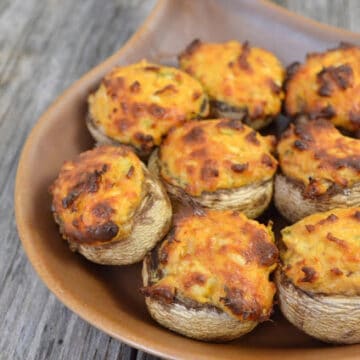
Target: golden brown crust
317, 156
96, 195
243, 82
114, 215
151, 222
321, 252
137, 104
327, 85
223, 267
211, 155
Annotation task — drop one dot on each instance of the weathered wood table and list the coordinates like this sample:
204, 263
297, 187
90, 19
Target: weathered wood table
44, 47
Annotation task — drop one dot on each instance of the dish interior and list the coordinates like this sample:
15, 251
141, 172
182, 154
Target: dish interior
108, 297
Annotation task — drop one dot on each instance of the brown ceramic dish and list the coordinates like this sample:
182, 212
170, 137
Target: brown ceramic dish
108, 297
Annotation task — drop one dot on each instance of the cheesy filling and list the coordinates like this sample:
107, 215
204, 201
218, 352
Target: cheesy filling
323, 252
319, 156
137, 104
239, 75
218, 154
327, 85
96, 195
220, 259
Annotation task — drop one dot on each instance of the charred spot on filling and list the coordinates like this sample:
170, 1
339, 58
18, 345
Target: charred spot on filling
326, 112
130, 172
262, 251
349, 162
167, 89
103, 232
276, 89
90, 185
191, 48
157, 111
242, 59
251, 137
138, 109
291, 70
209, 170
231, 123
310, 274
194, 279
354, 118
196, 95
336, 271
236, 301
267, 161
135, 87
152, 68
102, 210
300, 145
239, 168
336, 240
330, 219
113, 85
329, 78
194, 135
162, 293
199, 153
310, 228
357, 215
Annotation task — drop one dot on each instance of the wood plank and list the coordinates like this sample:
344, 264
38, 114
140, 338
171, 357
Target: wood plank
44, 47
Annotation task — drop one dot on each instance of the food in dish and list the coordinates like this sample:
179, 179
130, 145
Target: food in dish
243, 82
209, 279
327, 86
137, 105
220, 164
319, 280
109, 207
320, 169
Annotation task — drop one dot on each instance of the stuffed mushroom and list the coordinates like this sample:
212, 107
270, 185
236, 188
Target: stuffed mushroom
220, 164
243, 82
319, 279
320, 169
209, 279
137, 105
109, 207
327, 86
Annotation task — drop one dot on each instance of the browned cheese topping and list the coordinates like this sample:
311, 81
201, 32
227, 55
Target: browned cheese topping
137, 104
220, 259
327, 85
317, 155
217, 154
96, 195
238, 75
323, 252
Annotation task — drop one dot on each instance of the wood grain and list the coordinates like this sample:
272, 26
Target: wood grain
44, 47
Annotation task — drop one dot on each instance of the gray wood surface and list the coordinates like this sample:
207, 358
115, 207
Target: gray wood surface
45, 46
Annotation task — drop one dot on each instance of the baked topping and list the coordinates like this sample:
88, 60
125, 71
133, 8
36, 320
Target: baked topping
219, 259
139, 103
96, 195
239, 75
327, 85
319, 156
323, 252
217, 154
